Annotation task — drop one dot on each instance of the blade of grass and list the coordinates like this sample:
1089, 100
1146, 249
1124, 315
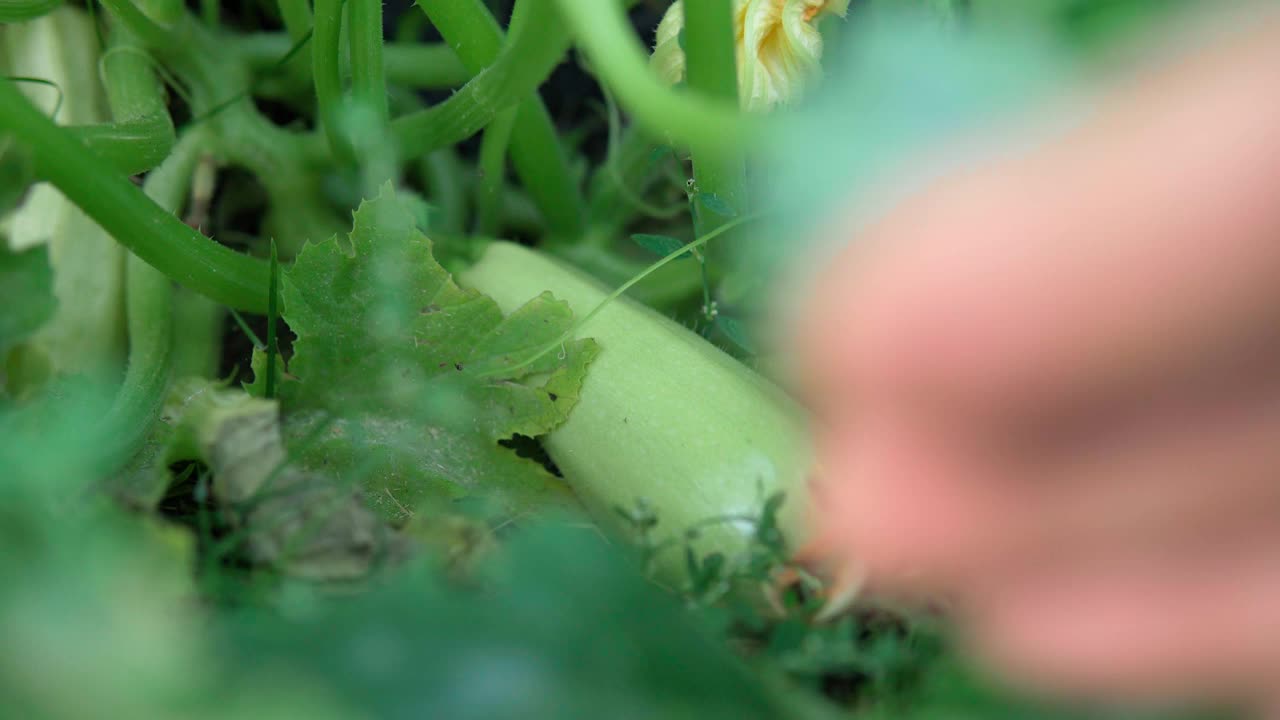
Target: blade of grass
273, 297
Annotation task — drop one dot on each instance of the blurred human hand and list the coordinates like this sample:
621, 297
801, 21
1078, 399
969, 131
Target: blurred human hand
1047, 390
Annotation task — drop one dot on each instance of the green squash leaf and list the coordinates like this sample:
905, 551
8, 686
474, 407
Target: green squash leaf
717, 205
405, 369
660, 245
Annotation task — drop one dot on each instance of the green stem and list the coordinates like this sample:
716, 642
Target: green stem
141, 135
12, 11
617, 189
468, 27
709, 49
368, 79
284, 161
197, 343
428, 66
122, 209
149, 312
367, 130
519, 214
297, 18
713, 71
665, 288
143, 129
273, 294
326, 45
297, 23
710, 125
132, 88
164, 12
423, 65
537, 155
129, 148
442, 175
537, 43
493, 165
211, 12
151, 32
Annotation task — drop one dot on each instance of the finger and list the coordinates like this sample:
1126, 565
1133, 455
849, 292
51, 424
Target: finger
914, 507
1175, 624
1116, 255
1192, 467
910, 511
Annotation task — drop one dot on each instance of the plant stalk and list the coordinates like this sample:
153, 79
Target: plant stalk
493, 165
123, 210
149, 314
368, 78
536, 44
537, 155
712, 70
707, 124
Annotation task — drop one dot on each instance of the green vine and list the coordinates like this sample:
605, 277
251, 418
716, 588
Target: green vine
537, 155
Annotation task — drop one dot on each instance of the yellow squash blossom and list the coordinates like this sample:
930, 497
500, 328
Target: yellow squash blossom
778, 47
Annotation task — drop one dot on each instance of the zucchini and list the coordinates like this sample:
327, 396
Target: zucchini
664, 416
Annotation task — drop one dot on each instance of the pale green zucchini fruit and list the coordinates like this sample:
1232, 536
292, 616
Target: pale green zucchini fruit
664, 416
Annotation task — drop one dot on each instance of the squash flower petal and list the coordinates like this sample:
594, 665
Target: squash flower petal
778, 47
